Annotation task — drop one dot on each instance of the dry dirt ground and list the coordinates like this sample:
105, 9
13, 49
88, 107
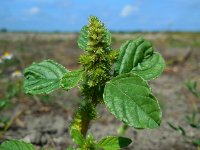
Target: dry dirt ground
44, 121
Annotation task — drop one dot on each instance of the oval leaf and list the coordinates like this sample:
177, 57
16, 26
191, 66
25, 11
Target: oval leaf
71, 79
129, 98
139, 57
43, 77
16, 145
113, 143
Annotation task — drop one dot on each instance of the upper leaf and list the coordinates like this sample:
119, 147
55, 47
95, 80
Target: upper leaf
16, 145
83, 38
138, 56
71, 79
113, 143
43, 77
129, 98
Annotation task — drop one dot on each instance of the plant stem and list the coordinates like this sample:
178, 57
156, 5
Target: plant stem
85, 127
86, 122
122, 129
10, 123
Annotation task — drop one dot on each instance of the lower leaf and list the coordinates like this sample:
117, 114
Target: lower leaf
113, 143
129, 98
16, 145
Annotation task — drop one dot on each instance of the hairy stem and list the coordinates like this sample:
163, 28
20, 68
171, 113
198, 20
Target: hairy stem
86, 122
85, 127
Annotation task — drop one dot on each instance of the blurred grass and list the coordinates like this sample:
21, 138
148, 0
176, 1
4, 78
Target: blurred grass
164, 39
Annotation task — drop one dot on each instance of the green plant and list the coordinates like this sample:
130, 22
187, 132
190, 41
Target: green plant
124, 90
192, 87
14, 89
193, 119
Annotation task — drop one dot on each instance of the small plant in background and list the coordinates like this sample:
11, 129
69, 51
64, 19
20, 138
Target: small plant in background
7, 63
192, 87
14, 89
124, 90
5, 60
7, 56
193, 119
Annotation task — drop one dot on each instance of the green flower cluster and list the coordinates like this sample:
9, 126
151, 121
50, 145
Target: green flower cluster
98, 58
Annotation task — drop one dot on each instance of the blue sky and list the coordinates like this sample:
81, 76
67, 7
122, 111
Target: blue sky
123, 15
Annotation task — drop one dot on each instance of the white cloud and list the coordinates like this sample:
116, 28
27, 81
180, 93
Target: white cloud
33, 11
128, 10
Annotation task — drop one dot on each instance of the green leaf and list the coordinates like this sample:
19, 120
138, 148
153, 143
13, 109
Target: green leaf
89, 143
71, 79
70, 148
151, 67
108, 37
197, 142
192, 87
43, 77
138, 56
113, 143
178, 129
16, 145
77, 137
3, 103
129, 98
83, 38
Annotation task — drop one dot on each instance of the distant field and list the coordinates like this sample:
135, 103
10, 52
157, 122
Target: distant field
170, 38
63, 46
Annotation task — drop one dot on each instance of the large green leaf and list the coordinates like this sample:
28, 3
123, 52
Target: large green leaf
129, 98
113, 143
77, 137
16, 145
71, 79
138, 56
43, 77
